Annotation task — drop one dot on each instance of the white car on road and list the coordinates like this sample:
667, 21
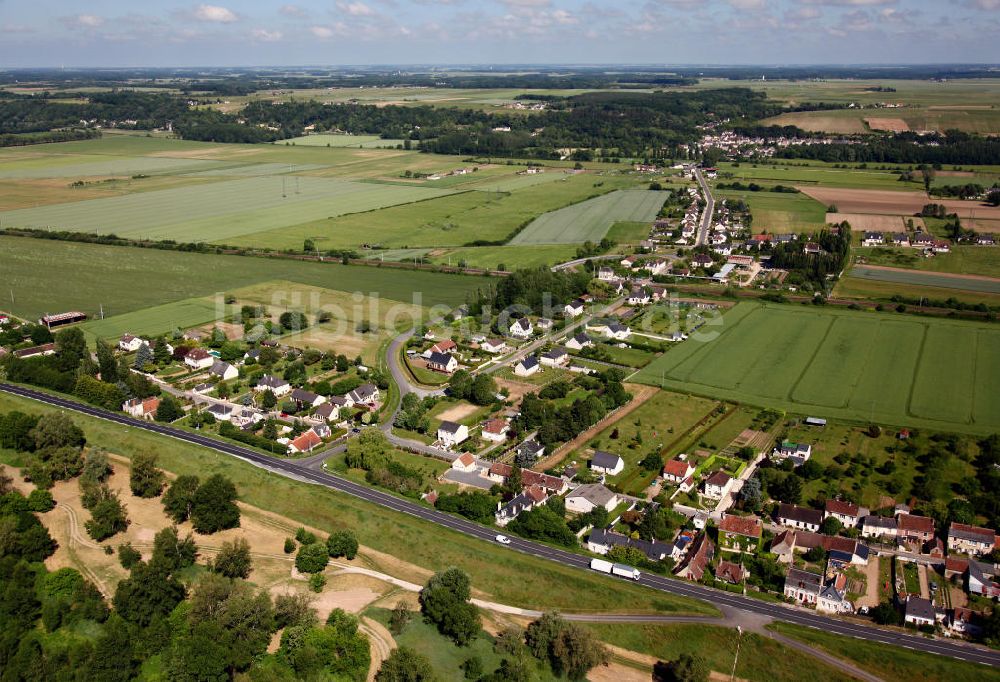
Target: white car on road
503, 539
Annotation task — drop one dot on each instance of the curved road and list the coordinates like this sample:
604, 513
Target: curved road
293, 469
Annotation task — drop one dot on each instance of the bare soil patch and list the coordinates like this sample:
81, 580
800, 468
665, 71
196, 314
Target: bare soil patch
457, 413
891, 202
871, 223
515, 389
896, 125
956, 174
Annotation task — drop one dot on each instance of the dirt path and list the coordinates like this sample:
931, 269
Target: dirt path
870, 598
640, 394
925, 589
380, 643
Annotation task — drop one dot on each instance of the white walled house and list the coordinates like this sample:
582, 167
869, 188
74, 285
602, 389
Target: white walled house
451, 434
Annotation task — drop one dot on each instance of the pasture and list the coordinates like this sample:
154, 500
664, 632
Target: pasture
843, 364
779, 212
53, 276
590, 220
962, 260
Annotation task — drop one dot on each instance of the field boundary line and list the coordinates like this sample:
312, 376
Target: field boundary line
812, 358
919, 371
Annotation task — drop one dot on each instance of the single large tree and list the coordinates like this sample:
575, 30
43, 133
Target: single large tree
405, 665
214, 505
179, 498
145, 479
445, 602
233, 560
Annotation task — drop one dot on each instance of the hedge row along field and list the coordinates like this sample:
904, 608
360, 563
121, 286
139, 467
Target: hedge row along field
890, 369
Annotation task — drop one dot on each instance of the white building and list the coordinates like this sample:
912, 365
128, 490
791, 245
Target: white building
451, 434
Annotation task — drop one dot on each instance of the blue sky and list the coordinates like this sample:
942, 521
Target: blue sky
265, 32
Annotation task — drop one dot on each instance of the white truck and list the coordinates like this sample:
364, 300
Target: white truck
622, 570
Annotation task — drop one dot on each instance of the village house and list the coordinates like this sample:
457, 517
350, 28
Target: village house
141, 408
677, 470
521, 328
442, 362
306, 442
322, 430
798, 453
495, 430
573, 308
554, 485
730, 573
466, 463
913, 528
639, 296
922, 239
365, 394
878, 527
199, 358
526, 366
718, 485
579, 342
450, 434
740, 533
872, 239
803, 518
919, 612
605, 274
848, 513
701, 260
531, 448
328, 412
555, 357
130, 344
221, 411
246, 418
607, 463
305, 399
833, 597
970, 539
941, 246
544, 324
494, 346
529, 498
600, 541
223, 371
699, 556
589, 496
269, 382
446, 346
803, 586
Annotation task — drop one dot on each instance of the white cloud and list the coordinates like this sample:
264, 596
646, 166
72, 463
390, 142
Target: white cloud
265, 36
215, 13
321, 32
90, 20
292, 11
356, 9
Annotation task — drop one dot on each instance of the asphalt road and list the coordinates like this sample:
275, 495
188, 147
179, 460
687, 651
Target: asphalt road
709, 209
294, 469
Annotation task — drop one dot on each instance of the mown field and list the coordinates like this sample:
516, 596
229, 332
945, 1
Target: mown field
928, 279
52, 276
590, 220
798, 173
779, 212
838, 363
961, 260
852, 287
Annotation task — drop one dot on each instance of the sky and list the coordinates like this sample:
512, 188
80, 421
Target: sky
106, 33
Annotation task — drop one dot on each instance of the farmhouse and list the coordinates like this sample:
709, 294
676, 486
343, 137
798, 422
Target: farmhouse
129, 343
442, 362
223, 370
494, 346
199, 358
740, 533
900, 239
804, 518
521, 328
555, 357
941, 246
970, 539
718, 485
141, 408
677, 470
579, 342
527, 366
607, 463
271, 383
590, 496
451, 433
495, 430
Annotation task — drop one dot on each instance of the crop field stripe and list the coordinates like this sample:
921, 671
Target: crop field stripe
591, 219
158, 319
248, 205
942, 388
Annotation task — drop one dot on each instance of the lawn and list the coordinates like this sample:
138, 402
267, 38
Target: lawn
219, 211
494, 570
760, 659
846, 364
891, 663
590, 220
125, 279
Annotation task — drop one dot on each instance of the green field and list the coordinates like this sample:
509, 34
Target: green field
780, 212
590, 220
363, 141
53, 276
511, 257
218, 212
838, 363
798, 173
879, 290
961, 260
940, 280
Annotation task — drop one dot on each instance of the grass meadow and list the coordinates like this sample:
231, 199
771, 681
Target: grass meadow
941, 280
961, 260
843, 364
496, 571
590, 220
779, 212
53, 276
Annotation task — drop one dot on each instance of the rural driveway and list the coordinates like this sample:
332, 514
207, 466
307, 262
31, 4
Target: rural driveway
291, 469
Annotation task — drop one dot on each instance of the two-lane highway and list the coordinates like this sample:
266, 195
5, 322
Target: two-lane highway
293, 469
706, 221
